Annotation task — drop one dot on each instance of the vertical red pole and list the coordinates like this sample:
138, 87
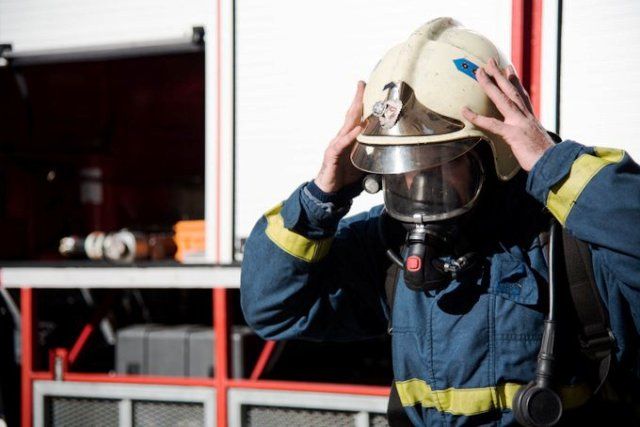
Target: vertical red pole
219, 294
535, 89
526, 45
27, 353
518, 11
221, 343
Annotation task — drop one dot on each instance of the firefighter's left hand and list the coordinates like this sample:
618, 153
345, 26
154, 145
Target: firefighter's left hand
520, 128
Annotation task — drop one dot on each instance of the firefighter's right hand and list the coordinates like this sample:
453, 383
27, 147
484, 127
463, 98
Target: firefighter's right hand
337, 171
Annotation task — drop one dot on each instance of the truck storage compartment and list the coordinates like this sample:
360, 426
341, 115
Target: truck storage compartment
99, 146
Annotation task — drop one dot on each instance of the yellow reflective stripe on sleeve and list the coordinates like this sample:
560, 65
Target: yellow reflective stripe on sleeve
472, 401
294, 244
563, 195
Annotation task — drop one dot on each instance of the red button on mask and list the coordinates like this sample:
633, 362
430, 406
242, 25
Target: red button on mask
414, 263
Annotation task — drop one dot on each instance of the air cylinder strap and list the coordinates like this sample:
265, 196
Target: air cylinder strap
596, 338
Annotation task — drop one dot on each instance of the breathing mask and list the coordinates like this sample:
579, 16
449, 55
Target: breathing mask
430, 202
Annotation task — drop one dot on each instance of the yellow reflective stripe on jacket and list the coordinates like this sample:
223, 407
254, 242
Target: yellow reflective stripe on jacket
472, 401
563, 196
294, 244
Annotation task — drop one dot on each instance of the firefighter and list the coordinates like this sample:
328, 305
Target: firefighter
470, 181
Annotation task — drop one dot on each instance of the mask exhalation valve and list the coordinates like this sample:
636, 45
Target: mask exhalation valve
418, 269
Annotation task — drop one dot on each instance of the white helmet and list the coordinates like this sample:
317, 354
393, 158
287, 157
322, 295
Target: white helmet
412, 106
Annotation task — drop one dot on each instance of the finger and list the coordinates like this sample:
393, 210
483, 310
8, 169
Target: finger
354, 114
505, 85
505, 105
345, 141
512, 76
484, 122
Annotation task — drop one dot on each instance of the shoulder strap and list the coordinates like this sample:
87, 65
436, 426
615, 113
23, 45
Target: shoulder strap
396, 415
390, 285
391, 279
595, 335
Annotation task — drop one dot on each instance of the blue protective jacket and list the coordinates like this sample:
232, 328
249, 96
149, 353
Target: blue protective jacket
459, 354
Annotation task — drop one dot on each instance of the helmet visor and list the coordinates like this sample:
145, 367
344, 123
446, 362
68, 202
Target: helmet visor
434, 193
397, 159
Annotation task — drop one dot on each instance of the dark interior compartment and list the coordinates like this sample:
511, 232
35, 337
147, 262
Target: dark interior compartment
99, 145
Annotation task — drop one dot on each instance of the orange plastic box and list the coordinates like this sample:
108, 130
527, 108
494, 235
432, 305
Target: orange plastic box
189, 239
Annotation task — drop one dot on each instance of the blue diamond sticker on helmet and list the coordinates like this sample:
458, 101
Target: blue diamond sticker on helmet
466, 66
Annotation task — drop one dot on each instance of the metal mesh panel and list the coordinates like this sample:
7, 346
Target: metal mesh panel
269, 416
378, 420
167, 414
81, 412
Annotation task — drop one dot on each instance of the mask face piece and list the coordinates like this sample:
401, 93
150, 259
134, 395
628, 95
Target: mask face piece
436, 193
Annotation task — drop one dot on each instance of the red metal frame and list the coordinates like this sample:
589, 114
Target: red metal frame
222, 339
265, 355
365, 390
135, 379
27, 355
526, 46
89, 328
525, 54
535, 89
518, 11
221, 382
86, 332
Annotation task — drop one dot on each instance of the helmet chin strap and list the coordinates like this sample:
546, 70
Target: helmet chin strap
425, 243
